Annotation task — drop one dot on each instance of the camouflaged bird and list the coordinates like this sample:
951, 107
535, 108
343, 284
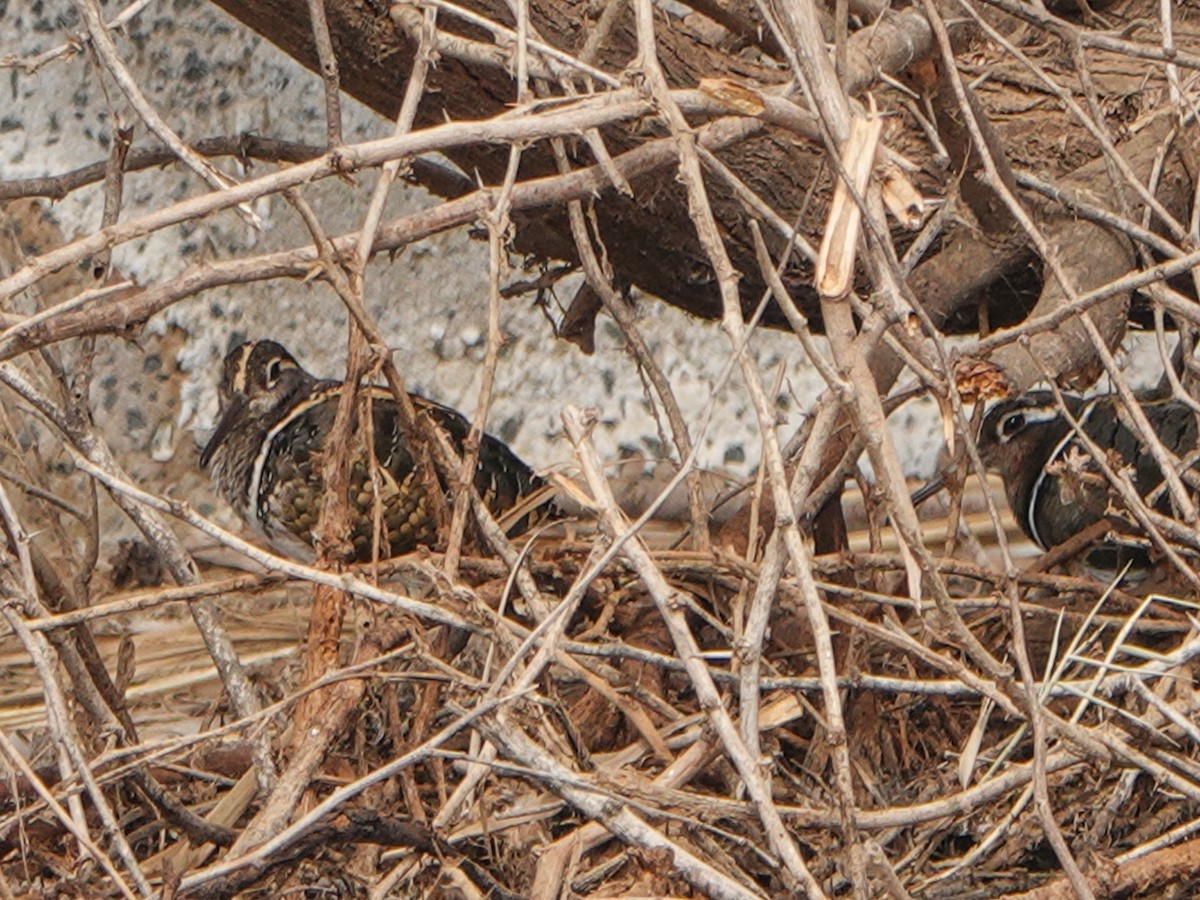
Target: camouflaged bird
1054, 487
266, 458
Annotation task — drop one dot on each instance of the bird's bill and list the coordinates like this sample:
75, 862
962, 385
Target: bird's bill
927, 490
224, 427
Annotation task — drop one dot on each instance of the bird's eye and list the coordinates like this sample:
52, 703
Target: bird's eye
272, 373
1012, 424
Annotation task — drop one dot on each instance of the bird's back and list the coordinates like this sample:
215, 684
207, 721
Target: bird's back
289, 483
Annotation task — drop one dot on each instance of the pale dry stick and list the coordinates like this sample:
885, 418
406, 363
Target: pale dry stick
520, 11
1142, 428
775, 554
686, 766
1164, 840
308, 748
153, 598
819, 84
512, 37
30, 65
599, 276
596, 39
581, 114
413, 92
762, 602
1185, 309
1065, 97
578, 427
616, 817
603, 29
337, 278
28, 323
1186, 785
32, 490
1178, 391
82, 439
1119, 191
685, 736
1166, 711
798, 32
985, 844
1037, 712
19, 540
238, 798
1074, 201
17, 760
1118, 644
735, 328
841, 33
62, 730
1102, 738
549, 190
1036, 14
327, 60
106, 50
150, 751
550, 630
243, 147
584, 115
334, 802
78, 385
961, 804
760, 207
1194, 232
592, 137
498, 226
1187, 123
663, 798
89, 685
484, 55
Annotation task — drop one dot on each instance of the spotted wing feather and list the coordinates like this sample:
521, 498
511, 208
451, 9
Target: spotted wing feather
291, 485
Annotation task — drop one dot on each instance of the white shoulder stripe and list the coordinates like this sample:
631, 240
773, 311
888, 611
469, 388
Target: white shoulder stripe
1040, 481
254, 495
326, 393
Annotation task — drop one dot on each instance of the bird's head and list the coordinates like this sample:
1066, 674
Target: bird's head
259, 382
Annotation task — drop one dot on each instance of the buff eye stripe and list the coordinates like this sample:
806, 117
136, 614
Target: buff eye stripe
1033, 415
239, 379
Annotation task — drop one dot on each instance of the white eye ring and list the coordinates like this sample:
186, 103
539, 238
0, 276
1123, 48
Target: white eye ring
273, 369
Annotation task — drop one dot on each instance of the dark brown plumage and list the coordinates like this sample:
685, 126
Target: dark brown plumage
1054, 489
266, 457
